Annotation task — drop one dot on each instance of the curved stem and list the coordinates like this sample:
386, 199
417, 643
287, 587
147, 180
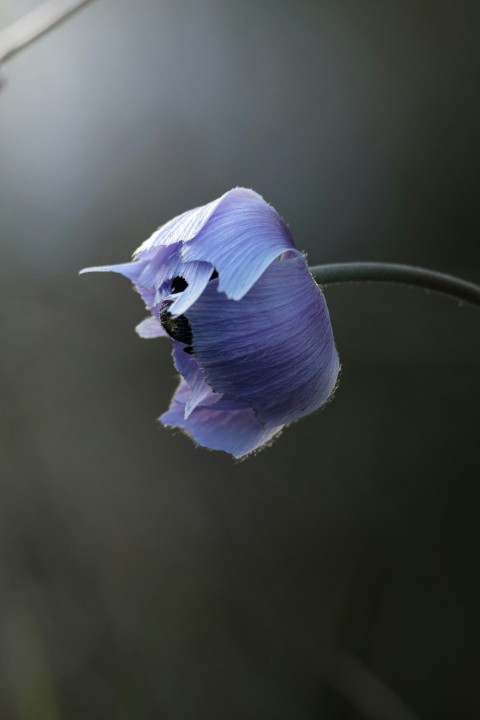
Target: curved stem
462, 290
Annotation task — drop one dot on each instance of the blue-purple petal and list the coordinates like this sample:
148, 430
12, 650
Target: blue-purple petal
150, 328
131, 270
273, 350
199, 391
186, 227
241, 239
197, 275
158, 268
228, 426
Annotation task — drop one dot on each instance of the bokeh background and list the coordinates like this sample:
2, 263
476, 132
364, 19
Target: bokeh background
335, 575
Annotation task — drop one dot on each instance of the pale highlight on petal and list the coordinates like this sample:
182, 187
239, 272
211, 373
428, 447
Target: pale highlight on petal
150, 328
241, 240
131, 270
186, 226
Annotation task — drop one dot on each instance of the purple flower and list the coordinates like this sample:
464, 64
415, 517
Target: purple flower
250, 328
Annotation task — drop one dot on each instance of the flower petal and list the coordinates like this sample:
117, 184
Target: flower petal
227, 426
131, 270
152, 277
162, 268
274, 349
159, 266
186, 226
241, 239
150, 328
199, 391
197, 275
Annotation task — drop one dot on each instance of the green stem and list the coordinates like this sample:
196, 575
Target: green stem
461, 290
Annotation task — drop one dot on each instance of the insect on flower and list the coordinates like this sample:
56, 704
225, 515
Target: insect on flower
250, 328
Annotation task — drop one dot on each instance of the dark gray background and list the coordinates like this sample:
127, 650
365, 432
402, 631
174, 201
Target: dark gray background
141, 577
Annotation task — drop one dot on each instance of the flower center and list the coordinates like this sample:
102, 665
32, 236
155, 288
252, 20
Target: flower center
179, 284
178, 328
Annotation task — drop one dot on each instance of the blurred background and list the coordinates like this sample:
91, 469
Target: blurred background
335, 575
